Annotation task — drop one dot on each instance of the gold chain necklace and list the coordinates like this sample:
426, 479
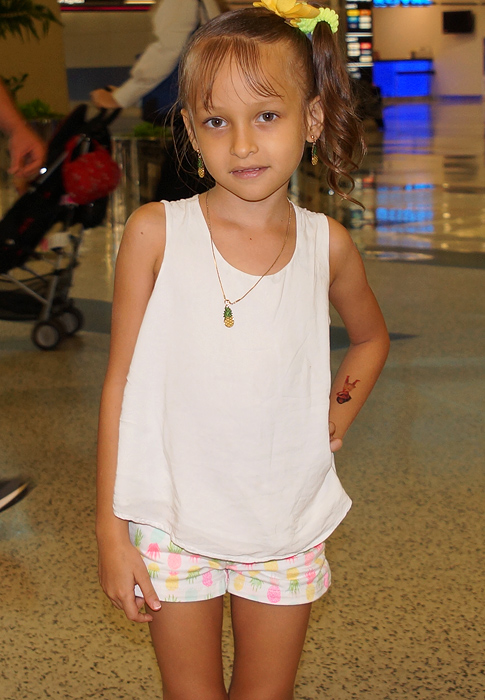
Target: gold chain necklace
228, 315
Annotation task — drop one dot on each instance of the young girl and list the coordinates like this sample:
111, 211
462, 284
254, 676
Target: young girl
214, 441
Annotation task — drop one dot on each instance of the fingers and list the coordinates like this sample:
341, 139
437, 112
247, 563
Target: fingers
149, 596
335, 444
118, 582
130, 605
34, 159
95, 97
28, 167
27, 153
103, 99
133, 611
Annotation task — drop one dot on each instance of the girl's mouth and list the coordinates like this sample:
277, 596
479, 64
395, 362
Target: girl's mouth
248, 173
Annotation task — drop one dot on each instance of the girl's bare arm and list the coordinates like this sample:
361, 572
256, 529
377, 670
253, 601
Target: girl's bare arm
138, 263
352, 297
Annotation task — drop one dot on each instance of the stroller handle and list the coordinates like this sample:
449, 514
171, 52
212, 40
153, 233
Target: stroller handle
104, 117
107, 120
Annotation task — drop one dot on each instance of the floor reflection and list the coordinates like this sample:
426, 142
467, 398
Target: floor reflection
421, 183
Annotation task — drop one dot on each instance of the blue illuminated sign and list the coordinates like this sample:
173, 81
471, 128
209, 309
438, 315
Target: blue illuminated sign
402, 3
407, 78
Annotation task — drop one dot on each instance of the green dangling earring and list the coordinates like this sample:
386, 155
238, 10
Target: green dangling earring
200, 165
314, 152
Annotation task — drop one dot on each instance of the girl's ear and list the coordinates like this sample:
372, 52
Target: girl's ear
190, 128
314, 119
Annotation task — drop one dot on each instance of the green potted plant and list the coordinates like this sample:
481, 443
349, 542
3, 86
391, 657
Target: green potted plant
19, 18
23, 19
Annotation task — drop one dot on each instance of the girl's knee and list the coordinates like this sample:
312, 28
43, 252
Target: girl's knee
195, 694
260, 693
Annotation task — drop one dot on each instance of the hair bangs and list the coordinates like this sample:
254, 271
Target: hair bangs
206, 60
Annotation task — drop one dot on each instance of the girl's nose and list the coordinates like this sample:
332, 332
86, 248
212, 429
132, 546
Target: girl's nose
244, 142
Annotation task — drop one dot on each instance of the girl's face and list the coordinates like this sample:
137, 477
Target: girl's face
251, 144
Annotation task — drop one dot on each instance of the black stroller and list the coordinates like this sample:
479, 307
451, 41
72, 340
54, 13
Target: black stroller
46, 211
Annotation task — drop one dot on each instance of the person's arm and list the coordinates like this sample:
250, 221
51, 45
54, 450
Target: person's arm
27, 151
173, 23
138, 263
352, 297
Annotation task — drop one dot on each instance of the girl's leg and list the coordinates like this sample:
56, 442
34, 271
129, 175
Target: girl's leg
187, 641
268, 641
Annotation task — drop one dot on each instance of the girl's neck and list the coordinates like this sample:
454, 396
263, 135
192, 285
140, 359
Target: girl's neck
251, 236
242, 213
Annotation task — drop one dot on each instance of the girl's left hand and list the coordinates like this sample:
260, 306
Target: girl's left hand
335, 443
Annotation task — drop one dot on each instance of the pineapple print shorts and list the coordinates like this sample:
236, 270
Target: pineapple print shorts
181, 576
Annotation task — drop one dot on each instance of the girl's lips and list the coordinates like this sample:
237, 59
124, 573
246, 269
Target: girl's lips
247, 173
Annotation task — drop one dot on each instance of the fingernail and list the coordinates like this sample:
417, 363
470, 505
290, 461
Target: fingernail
156, 605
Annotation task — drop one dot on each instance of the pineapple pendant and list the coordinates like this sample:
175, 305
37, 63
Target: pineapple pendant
228, 318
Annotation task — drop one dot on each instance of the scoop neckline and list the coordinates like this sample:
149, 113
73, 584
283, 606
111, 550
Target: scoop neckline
237, 269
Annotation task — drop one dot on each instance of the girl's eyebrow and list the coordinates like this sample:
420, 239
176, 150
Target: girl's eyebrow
266, 102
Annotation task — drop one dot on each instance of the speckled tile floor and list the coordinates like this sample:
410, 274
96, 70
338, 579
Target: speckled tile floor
405, 616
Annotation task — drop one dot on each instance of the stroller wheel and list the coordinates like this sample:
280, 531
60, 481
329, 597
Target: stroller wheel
71, 320
47, 334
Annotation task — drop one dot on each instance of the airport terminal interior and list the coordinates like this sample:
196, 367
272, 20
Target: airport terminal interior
404, 618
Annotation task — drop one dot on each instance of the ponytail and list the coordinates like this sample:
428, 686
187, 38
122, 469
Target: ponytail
341, 145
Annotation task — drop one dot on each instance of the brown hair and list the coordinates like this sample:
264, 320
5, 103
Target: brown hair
238, 36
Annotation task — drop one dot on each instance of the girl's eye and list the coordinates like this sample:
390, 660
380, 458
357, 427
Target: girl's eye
268, 117
215, 122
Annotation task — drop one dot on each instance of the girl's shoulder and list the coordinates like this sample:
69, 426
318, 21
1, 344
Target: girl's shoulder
342, 250
147, 228
339, 237
310, 215
145, 233
149, 214
320, 222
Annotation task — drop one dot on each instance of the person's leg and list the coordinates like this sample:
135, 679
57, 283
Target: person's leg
187, 642
268, 641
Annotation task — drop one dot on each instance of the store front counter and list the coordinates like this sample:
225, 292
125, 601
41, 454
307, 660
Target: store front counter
404, 78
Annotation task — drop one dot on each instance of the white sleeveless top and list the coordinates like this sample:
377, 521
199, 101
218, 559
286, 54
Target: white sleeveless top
224, 440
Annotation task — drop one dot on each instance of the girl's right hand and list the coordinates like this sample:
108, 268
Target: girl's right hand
120, 569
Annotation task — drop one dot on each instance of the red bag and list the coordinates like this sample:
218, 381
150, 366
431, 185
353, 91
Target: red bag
91, 175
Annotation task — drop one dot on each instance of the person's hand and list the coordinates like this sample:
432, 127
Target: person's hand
27, 152
335, 443
120, 568
104, 99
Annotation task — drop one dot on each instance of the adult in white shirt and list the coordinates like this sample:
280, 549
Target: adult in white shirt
173, 23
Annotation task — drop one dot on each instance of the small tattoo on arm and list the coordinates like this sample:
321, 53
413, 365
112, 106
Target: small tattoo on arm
344, 395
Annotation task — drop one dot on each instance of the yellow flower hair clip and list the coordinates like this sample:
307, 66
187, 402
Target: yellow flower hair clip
300, 14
